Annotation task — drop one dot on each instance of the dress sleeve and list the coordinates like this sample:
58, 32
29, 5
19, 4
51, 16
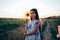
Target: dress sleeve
37, 23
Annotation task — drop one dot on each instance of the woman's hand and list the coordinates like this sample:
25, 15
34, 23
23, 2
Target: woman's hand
25, 34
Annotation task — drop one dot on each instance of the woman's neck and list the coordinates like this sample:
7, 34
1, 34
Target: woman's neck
33, 19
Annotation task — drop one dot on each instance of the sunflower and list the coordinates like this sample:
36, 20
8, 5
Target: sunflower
27, 15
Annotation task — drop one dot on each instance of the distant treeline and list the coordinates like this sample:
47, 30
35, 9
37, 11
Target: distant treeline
55, 19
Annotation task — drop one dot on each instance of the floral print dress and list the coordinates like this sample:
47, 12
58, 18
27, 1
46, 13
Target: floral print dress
30, 27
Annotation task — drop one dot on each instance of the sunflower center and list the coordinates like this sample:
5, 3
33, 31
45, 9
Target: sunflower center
27, 14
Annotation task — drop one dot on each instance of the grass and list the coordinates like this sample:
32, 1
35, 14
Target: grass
12, 29
8, 27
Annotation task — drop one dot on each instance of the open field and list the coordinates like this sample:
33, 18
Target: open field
13, 29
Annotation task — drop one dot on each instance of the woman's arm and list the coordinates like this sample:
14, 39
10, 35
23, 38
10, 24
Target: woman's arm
33, 31
25, 27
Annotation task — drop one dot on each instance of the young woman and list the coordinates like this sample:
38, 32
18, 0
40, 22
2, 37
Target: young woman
33, 31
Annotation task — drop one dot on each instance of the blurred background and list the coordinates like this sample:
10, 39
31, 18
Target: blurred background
13, 15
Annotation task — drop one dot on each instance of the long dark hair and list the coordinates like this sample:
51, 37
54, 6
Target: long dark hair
37, 16
36, 12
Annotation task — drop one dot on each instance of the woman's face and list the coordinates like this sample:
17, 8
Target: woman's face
32, 14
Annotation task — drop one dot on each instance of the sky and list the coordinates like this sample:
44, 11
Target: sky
17, 8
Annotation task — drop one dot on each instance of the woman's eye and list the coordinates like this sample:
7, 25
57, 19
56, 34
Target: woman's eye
32, 12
